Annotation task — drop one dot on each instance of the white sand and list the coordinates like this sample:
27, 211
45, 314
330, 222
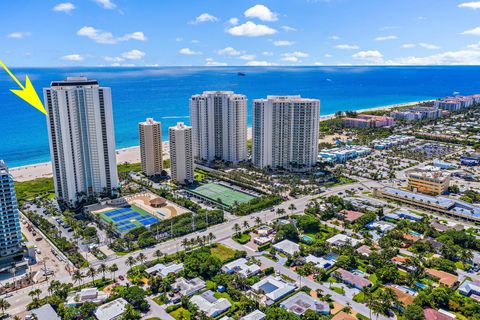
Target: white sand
132, 154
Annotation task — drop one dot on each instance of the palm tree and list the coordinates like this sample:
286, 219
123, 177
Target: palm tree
77, 276
246, 225
292, 207
280, 212
113, 268
4, 304
258, 221
158, 253
92, 273
185, 243
102, 269
211, 237
141, 257
130, 261
236, 228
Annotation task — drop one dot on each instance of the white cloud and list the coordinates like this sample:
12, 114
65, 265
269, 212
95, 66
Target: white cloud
233, 21
373, 56
461, 57
384, 38
106, 37
261, 12
250, 29
267, 53
114, 59
283, 43
204, 17
475, 46
262, 63
294, 56
209, 62
73, 57
327, 55
288, 28
334, 38
428, 46
318, 63
347, 47
133, 54
106, 4
18, 35
189, 52
470, 5
178, 39
66, 7
408, 45
195, 41
472, 32
229, 51
248, 57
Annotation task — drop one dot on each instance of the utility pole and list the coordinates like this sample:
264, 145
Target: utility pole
193, 221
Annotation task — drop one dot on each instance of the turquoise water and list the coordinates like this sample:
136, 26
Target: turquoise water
307, 238
163, 93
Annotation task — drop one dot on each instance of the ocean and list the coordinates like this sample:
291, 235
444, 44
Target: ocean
163, 93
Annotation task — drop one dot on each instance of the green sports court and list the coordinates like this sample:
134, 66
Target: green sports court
215, 192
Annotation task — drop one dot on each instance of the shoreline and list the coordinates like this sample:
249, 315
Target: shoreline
132, 154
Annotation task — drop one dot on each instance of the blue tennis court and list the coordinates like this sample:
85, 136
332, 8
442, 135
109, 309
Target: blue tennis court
118, 211
125, 216
149, 221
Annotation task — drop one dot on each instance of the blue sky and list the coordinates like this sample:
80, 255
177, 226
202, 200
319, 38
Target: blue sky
241, 32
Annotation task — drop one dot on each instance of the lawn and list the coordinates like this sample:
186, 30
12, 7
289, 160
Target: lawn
221, 194
242, 239
27, 190
373, 278
160, 300
181, 313
222, 252
128, 167
338, 290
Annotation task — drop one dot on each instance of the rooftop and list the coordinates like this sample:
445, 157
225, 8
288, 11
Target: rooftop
212, 306
255, 315
111, 310
242, 267
287, 246
301, 302
273, 288
45, 312
443, 277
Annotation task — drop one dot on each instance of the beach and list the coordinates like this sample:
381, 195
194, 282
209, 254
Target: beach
132, 154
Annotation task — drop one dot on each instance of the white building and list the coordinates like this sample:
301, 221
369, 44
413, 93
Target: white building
219, 123
81, 135
273, 289
164, 270
288, 247
86, 295
112, 310
188, 287
181, 152
285, 132
150, 135
242, 267
212, 306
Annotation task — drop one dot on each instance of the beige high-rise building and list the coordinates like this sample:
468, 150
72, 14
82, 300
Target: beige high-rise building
285, 132
181, 152
219, 124
150, 133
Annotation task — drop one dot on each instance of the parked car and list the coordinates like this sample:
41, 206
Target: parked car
121, 277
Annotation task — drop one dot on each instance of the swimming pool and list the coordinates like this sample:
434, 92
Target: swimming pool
307, 238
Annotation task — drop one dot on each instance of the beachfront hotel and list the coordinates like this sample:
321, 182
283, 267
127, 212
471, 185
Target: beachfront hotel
219, 124
82, 141
150, 134
181, 152
369, 121
11, 248
285, 132
417, 113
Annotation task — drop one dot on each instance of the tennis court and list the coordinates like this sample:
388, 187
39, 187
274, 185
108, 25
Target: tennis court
126, 219
215, 192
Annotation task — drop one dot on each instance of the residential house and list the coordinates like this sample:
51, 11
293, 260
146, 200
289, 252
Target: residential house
319, 263
188, 287
112, 310
255, 315
351, 279
287, 247
432, 314
242, 267
469, 288
301, 302
45, 312
163, 270
273, 289
349, 215
445, 278
212, 306
343, 316
340, 240
86, 295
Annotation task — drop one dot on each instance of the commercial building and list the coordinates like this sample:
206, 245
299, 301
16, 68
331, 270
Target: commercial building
392, 141
368, 121
219, 124
433, 183
11, 247
448, 206
342, 154
82, 141
181, 152
456, 103
285, 132
417, 113
150, 136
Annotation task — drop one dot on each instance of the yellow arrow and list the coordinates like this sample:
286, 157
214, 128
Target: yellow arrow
27, 92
